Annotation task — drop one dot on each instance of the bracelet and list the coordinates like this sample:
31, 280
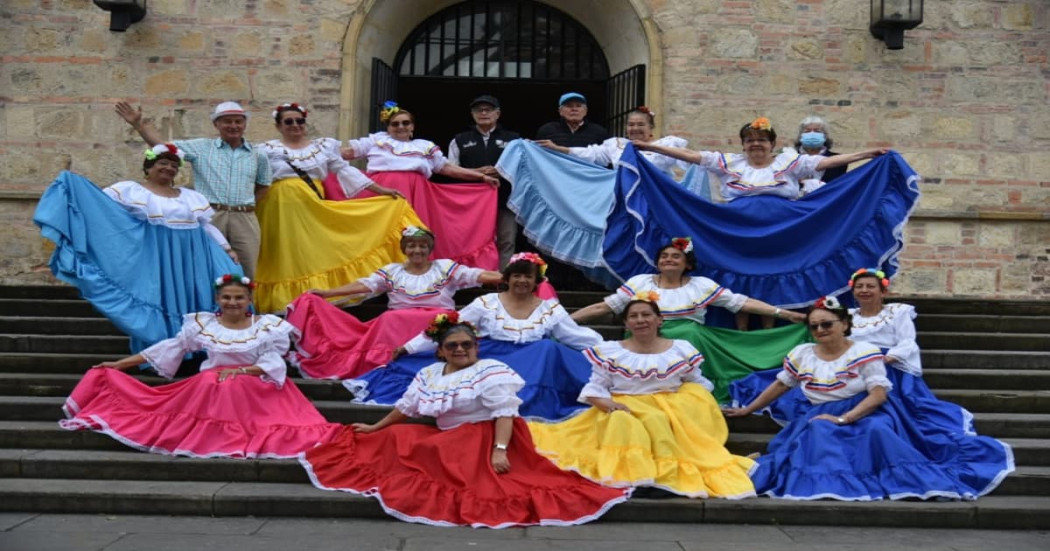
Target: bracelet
501, 447
242, 370
776, 313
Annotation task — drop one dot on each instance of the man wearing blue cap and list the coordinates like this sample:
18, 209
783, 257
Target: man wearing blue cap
480, 148
572, 130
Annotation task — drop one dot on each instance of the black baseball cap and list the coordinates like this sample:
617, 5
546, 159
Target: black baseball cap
491, 100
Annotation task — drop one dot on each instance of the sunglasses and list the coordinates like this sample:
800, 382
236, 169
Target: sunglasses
401, 123
465, 345
289, 122
825, 325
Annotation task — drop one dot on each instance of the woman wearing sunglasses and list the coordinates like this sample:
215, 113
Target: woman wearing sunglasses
305, 241
463, 216
517, 325
476, 468
860, 441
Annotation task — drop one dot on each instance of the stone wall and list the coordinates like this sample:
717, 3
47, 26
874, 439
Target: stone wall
966, 101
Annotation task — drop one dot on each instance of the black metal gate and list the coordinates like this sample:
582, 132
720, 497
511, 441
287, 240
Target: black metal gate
624, 92
384, 87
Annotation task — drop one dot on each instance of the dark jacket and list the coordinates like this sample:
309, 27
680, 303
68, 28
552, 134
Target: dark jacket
559, 133
474, 152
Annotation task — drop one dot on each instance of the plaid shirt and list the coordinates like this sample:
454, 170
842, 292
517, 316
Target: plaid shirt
224, 175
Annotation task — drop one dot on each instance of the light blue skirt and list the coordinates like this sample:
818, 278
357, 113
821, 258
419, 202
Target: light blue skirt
142, 277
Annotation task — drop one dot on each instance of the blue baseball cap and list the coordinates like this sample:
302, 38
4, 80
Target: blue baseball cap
571, 96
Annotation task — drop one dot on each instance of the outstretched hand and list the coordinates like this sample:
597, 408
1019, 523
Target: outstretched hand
735, 412
500, 463
130, 115
363, 428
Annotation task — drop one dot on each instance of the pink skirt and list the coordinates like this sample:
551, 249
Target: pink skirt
242, 417
462, 216
336, 345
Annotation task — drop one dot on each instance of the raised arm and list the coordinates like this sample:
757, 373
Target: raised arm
679, 153
133, 117
355, 288
847, 158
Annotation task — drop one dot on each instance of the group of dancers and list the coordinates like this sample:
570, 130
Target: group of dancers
539, 420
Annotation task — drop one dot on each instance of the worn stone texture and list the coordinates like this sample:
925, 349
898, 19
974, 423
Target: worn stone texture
966, 101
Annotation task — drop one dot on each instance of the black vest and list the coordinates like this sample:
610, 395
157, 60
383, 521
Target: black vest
473, 152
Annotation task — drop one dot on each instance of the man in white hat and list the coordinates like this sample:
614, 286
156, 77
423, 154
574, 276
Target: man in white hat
227, 170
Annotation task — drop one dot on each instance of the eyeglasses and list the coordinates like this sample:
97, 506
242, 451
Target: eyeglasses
825, 325
401, 123
465, 345
755, 140
289, 122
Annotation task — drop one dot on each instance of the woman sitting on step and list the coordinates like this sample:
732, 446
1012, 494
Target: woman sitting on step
476, 468
652, 421
336, 345
240, 405
861, 440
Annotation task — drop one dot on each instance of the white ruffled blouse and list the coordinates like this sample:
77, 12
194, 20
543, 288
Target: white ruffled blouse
263, 344
781, 178
483, 391
858, 369
492, 320
318, 159
689, 301
386, 154
616, 370
892, 329
188, 211
609, 151
436, 288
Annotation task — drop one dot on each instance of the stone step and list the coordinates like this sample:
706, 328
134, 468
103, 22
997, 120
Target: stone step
998, 401
982, 323
39, 292
289, 499
1014, 342
54, 362
133, 465
988, 379
999, 425
50, 308
984, 359
38, 325
78, 344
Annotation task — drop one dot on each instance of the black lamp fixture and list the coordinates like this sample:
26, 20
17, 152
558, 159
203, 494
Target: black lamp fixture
122, 13
890, 18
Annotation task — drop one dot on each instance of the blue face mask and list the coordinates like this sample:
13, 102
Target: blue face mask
812, 139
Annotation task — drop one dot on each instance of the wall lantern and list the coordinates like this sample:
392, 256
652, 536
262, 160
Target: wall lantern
890, 18
122, 13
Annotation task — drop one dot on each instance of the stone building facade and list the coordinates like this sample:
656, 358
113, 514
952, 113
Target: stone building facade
967, 101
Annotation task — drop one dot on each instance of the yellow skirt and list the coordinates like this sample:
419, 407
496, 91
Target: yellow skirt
673, 440
308, 243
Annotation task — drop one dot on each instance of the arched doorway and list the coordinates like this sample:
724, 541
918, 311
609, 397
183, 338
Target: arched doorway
624, 30
525, 53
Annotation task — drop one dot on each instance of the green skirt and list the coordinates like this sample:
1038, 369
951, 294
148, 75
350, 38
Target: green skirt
730, 355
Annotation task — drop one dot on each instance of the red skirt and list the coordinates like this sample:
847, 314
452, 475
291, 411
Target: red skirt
242, 417
336, 345
422, 474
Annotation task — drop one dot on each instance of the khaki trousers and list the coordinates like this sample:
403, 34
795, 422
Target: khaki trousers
242, 231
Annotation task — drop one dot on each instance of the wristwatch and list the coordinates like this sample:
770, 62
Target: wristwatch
502, 447
841, 420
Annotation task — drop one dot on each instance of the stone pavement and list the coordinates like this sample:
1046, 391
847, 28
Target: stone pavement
46, 532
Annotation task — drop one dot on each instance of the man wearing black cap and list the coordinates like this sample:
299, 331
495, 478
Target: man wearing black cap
480, 148
572, 130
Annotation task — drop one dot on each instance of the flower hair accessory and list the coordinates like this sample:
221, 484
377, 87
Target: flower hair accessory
828, 303
647, 296
415, 231
761, 123
881, 275
287, 107
162, 148
443, 322
684, 244
230, 278
533, 258
646, 110
388, 110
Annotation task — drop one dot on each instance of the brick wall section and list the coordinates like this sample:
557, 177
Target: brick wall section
966, 103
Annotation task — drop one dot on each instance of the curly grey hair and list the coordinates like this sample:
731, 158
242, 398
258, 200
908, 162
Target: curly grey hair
813, 119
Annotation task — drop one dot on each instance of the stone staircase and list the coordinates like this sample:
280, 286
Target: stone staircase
990, 357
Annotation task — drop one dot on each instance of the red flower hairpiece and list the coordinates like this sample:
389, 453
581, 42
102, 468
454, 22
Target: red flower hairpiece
684, 244
879, 274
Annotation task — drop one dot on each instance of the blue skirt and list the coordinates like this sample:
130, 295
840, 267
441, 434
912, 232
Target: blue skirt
887, 454
554, 375
142, 277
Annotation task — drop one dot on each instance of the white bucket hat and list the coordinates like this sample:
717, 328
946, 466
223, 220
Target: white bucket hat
228, 108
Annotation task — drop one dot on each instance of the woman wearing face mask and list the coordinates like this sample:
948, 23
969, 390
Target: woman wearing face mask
305, 242
336, 345
814, 139
858, 442
519, 329
477, 468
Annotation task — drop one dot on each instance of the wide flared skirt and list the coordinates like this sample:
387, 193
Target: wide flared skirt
672, 440
142, 277
730, 355
241, 417
554, 375
886, 454
462, 216
422, 474
336, 345
308, 243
